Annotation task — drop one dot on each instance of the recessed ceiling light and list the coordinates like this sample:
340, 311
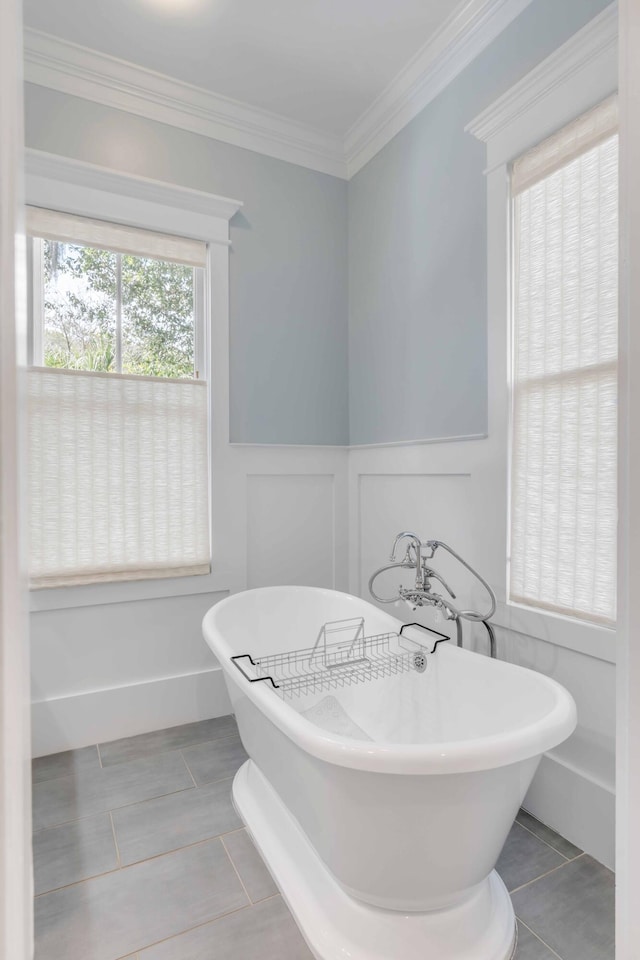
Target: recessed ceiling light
175, 6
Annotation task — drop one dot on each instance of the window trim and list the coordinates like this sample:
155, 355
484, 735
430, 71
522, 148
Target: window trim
577, 76
91, 191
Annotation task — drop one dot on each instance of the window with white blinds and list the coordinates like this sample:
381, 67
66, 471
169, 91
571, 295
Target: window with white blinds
117, 461
564, 371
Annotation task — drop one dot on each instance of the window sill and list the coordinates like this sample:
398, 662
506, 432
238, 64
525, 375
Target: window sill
130, 591
589, 639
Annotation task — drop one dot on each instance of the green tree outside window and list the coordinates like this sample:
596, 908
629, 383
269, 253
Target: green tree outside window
113, 312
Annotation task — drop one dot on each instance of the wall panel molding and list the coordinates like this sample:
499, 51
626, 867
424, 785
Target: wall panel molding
390, 501
291, 533
461, 438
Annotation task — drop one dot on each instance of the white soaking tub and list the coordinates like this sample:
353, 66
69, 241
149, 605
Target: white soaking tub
382, 806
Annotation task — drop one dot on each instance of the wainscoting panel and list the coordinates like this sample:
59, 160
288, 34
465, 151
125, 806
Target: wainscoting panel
290, 530
81, 649
434, 505
103, 670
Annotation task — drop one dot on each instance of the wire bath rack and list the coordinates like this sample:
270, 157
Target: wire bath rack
341, 655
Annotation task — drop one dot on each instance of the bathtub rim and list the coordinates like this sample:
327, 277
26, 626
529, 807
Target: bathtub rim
462, 756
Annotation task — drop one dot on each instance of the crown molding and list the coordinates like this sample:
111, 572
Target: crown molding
81, 72
469, 30
598, 38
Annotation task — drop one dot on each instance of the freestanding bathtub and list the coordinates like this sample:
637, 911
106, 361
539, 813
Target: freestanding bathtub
381, 807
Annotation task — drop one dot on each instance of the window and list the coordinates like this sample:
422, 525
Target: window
118, 445
564, 371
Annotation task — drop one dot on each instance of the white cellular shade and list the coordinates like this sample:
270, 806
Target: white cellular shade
584, 133
66, 228
118, 477
564, 379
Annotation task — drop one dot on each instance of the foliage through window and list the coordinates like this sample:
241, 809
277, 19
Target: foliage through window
116, 312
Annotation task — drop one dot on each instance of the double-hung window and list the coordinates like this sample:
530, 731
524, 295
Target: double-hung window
118, 411
564, 370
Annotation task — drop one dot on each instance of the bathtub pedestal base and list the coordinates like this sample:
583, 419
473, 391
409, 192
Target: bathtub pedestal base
337, 926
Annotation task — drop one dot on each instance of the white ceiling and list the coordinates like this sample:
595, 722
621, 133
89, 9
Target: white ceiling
317, 62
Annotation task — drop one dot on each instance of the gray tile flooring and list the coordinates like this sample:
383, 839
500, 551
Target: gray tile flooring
564, 900
139, 855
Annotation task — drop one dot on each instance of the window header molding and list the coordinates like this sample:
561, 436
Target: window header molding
89, 190
577, 76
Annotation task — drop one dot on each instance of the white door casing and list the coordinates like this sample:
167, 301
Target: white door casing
15, 786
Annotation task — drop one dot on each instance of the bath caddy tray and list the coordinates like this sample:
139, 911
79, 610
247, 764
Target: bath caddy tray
342, 654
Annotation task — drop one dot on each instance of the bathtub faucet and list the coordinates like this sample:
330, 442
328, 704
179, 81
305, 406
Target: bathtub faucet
417, 546
419, 559
417, 555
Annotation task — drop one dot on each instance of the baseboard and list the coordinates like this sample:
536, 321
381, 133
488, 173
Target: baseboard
96, 716
577, 806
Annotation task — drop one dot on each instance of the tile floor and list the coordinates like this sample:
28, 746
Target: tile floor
139, 854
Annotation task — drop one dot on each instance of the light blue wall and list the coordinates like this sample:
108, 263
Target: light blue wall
288, 261
417, 250
358, 311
